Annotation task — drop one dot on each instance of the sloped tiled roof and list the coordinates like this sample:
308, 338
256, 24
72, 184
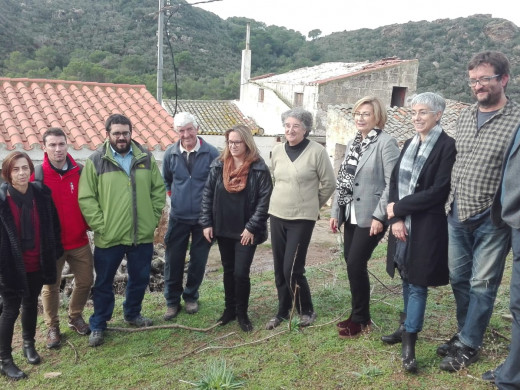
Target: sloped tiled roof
213, 116
29, 106
328, 71
399, 123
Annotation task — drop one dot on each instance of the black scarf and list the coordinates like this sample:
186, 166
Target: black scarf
25, 203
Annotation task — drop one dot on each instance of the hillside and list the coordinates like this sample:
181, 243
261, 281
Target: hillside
115, 41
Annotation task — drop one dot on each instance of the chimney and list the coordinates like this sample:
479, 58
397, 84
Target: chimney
245, 71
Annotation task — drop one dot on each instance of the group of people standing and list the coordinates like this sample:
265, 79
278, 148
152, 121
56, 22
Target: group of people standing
451, 206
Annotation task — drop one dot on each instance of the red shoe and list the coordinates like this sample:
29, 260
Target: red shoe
344, 324
355, 329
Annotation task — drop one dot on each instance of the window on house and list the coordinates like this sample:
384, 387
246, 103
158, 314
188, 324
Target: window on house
298, 99
398, 96
261, 95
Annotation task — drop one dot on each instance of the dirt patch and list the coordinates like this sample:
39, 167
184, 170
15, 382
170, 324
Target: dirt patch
323, 248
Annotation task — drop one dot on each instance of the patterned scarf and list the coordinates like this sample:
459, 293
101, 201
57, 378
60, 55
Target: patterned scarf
348, 167
235, 179
412, 164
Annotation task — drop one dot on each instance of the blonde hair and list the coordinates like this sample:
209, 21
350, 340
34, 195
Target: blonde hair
379, 110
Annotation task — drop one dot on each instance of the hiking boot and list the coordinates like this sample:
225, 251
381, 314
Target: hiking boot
397, 336
53, 337
79, 325
139, 321
460, 357
307, 319
490, 376
192, 307
444, 349
273, 323
96, 338
171, 312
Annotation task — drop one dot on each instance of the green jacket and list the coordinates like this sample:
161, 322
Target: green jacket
121, 209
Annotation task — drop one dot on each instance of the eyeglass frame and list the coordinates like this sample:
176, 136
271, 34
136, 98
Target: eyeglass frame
422, 113
483, 81
118, 134
234, 143
362, 115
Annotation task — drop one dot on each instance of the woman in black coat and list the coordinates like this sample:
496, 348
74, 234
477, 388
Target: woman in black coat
30, 244
234, 210
419, 188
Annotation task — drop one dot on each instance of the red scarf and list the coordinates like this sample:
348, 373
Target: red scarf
235, 179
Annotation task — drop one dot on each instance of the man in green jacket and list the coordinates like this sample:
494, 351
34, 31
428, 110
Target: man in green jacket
121, 196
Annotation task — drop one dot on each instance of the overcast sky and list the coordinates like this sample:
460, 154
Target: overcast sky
338, 15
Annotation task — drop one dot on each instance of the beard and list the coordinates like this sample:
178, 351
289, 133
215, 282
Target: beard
121, 147
491, 99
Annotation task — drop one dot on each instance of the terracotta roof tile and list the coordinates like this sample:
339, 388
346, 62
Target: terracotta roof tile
214, 116
29, 106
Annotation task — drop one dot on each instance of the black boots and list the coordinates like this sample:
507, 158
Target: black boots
244, 322
408, 351
10, 370
228, 316
30, 352
396, 337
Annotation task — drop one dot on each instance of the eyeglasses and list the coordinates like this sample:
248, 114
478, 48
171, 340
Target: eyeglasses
483, 81
117, 134
421, 113
235, 143
362, 115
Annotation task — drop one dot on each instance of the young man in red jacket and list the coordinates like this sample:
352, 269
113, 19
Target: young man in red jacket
61, 174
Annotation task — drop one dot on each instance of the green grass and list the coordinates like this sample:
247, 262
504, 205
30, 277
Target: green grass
313, 358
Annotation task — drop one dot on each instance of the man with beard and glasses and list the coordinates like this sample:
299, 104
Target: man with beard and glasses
121, 195
477, 249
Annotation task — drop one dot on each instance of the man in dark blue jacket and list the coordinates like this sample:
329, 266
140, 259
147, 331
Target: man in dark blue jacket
185, 170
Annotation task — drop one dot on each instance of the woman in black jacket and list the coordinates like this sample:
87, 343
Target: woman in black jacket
234, 211
419, 188
30, 244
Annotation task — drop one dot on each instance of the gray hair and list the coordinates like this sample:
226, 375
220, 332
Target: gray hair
184, 118
434, 101
304, 116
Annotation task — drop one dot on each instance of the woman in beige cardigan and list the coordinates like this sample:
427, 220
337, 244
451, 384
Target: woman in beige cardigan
303, 182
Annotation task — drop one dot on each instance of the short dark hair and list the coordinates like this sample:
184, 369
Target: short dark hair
55, 131
9, 161
494, 58
117, 119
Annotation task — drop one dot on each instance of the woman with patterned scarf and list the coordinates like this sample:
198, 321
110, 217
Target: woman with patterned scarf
234, 211
419, 188
360, 202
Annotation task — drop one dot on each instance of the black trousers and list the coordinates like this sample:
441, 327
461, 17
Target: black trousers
236, 261
358, 248
12, 303
290, 240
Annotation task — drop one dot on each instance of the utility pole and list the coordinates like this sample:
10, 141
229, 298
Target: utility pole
160, 32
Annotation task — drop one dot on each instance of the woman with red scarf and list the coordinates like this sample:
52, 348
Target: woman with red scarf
30, 244
234, 211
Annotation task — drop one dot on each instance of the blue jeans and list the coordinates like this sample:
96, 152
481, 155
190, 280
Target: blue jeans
106, 263
414, 298
176, 240
477, 254
508, 376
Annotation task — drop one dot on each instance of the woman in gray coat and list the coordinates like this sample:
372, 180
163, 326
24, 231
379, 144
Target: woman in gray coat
360, 202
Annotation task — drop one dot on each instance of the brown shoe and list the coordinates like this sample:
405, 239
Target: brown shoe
355, 329
171, 312
191, 307
53, 337
79, 325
